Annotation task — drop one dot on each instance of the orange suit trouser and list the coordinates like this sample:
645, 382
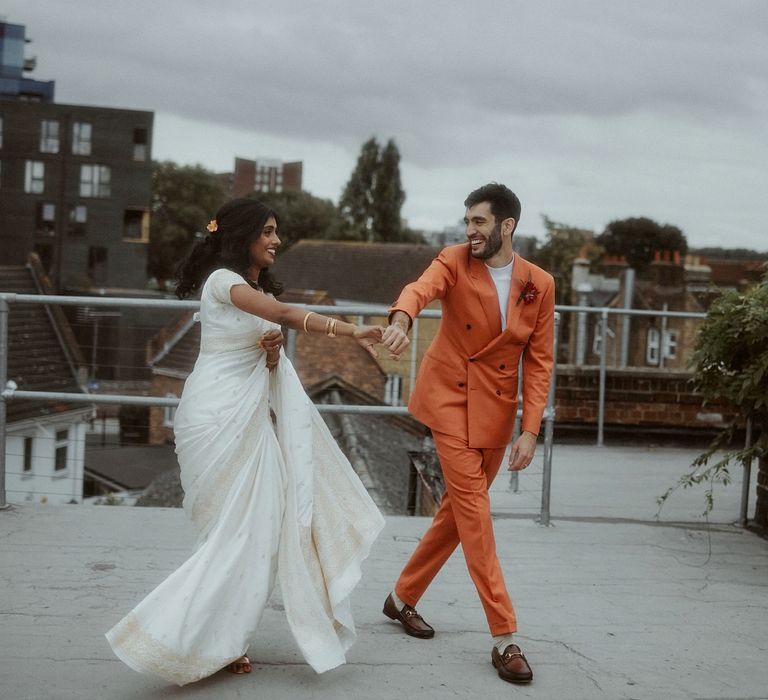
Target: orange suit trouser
464, 517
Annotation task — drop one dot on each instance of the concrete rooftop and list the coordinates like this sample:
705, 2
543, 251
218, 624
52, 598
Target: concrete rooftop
611, 603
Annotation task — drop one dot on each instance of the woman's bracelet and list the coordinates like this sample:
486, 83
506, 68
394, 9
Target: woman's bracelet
306, 318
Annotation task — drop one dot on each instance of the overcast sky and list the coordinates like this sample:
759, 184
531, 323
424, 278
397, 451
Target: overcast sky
590, 111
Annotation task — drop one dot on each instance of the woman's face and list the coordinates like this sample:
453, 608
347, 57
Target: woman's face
264, 248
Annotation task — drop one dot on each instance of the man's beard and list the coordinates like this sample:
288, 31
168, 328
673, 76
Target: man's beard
492, 244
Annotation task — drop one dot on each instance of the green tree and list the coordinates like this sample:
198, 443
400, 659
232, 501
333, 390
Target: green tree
303, 215
356, 204
637, 239
388, 196
184, 199
730, 363
373, 198
562, 246
730, 253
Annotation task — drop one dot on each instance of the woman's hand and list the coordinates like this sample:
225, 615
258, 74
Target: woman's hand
368, 336
271, 342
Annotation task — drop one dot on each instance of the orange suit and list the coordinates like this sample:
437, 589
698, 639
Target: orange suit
466, 392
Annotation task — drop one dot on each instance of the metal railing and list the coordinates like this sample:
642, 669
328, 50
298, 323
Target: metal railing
9, 393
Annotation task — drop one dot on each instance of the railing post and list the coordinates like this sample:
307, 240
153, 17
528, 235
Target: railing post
290, 345
746, 478
603, 356
549, 429
4, 310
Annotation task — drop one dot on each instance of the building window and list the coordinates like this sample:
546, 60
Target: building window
34, 177
81, 139
62, 446
652, 347
97, 263
169, 412
140, 144
46, 219
393, 390
670, 345
49, 136
136, 225
28, 444
78, 218
95, 180
656, 344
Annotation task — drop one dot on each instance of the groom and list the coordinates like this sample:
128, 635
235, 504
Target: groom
496, 308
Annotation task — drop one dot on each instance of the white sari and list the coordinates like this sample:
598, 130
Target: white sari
264, 500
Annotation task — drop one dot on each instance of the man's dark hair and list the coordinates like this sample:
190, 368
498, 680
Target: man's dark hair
504, 202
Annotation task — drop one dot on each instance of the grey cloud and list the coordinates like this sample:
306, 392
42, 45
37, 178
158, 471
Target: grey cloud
604, 105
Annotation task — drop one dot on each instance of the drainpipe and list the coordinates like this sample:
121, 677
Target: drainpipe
629, 292
581, 326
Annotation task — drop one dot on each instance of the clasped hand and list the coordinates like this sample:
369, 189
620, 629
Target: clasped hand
271, 342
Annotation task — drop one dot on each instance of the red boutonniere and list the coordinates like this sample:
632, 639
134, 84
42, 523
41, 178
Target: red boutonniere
528, 293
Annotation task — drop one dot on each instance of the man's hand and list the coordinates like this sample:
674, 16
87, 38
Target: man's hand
271, 342
395, 337
522, 451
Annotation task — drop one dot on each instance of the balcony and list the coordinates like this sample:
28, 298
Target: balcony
611, 603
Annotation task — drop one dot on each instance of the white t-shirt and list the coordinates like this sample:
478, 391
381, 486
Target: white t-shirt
502, 279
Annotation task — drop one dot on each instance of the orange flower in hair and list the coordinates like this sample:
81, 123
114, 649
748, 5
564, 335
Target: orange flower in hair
212, 226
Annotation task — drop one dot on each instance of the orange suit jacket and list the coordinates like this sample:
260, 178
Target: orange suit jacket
468, 380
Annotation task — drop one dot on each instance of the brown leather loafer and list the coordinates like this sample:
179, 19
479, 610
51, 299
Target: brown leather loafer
512, 665
412, 622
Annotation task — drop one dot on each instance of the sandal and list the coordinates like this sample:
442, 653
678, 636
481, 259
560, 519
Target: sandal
241, 665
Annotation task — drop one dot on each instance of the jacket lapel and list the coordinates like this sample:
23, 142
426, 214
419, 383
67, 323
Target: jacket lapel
486, 293
520, 271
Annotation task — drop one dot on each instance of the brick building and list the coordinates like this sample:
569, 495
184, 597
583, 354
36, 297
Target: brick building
262, 175
75, 181
75, 188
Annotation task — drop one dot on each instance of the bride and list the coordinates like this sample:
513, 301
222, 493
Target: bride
266, 496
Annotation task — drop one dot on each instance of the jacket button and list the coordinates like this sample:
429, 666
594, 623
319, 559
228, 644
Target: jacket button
498, 393
502, 366
461, 385
471, 359
469, 326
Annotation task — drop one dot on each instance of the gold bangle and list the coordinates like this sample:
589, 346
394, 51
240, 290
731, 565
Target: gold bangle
332, 331
306, 318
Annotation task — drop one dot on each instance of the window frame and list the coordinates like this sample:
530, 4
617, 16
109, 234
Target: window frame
82, 146
75, 227
49, 142
28, 456
61, 446
99, 184
31, 178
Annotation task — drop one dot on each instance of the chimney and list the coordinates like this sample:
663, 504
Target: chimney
666, 270
613, 265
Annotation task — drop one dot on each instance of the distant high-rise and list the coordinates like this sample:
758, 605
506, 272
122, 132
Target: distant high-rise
262, 175
13, 65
